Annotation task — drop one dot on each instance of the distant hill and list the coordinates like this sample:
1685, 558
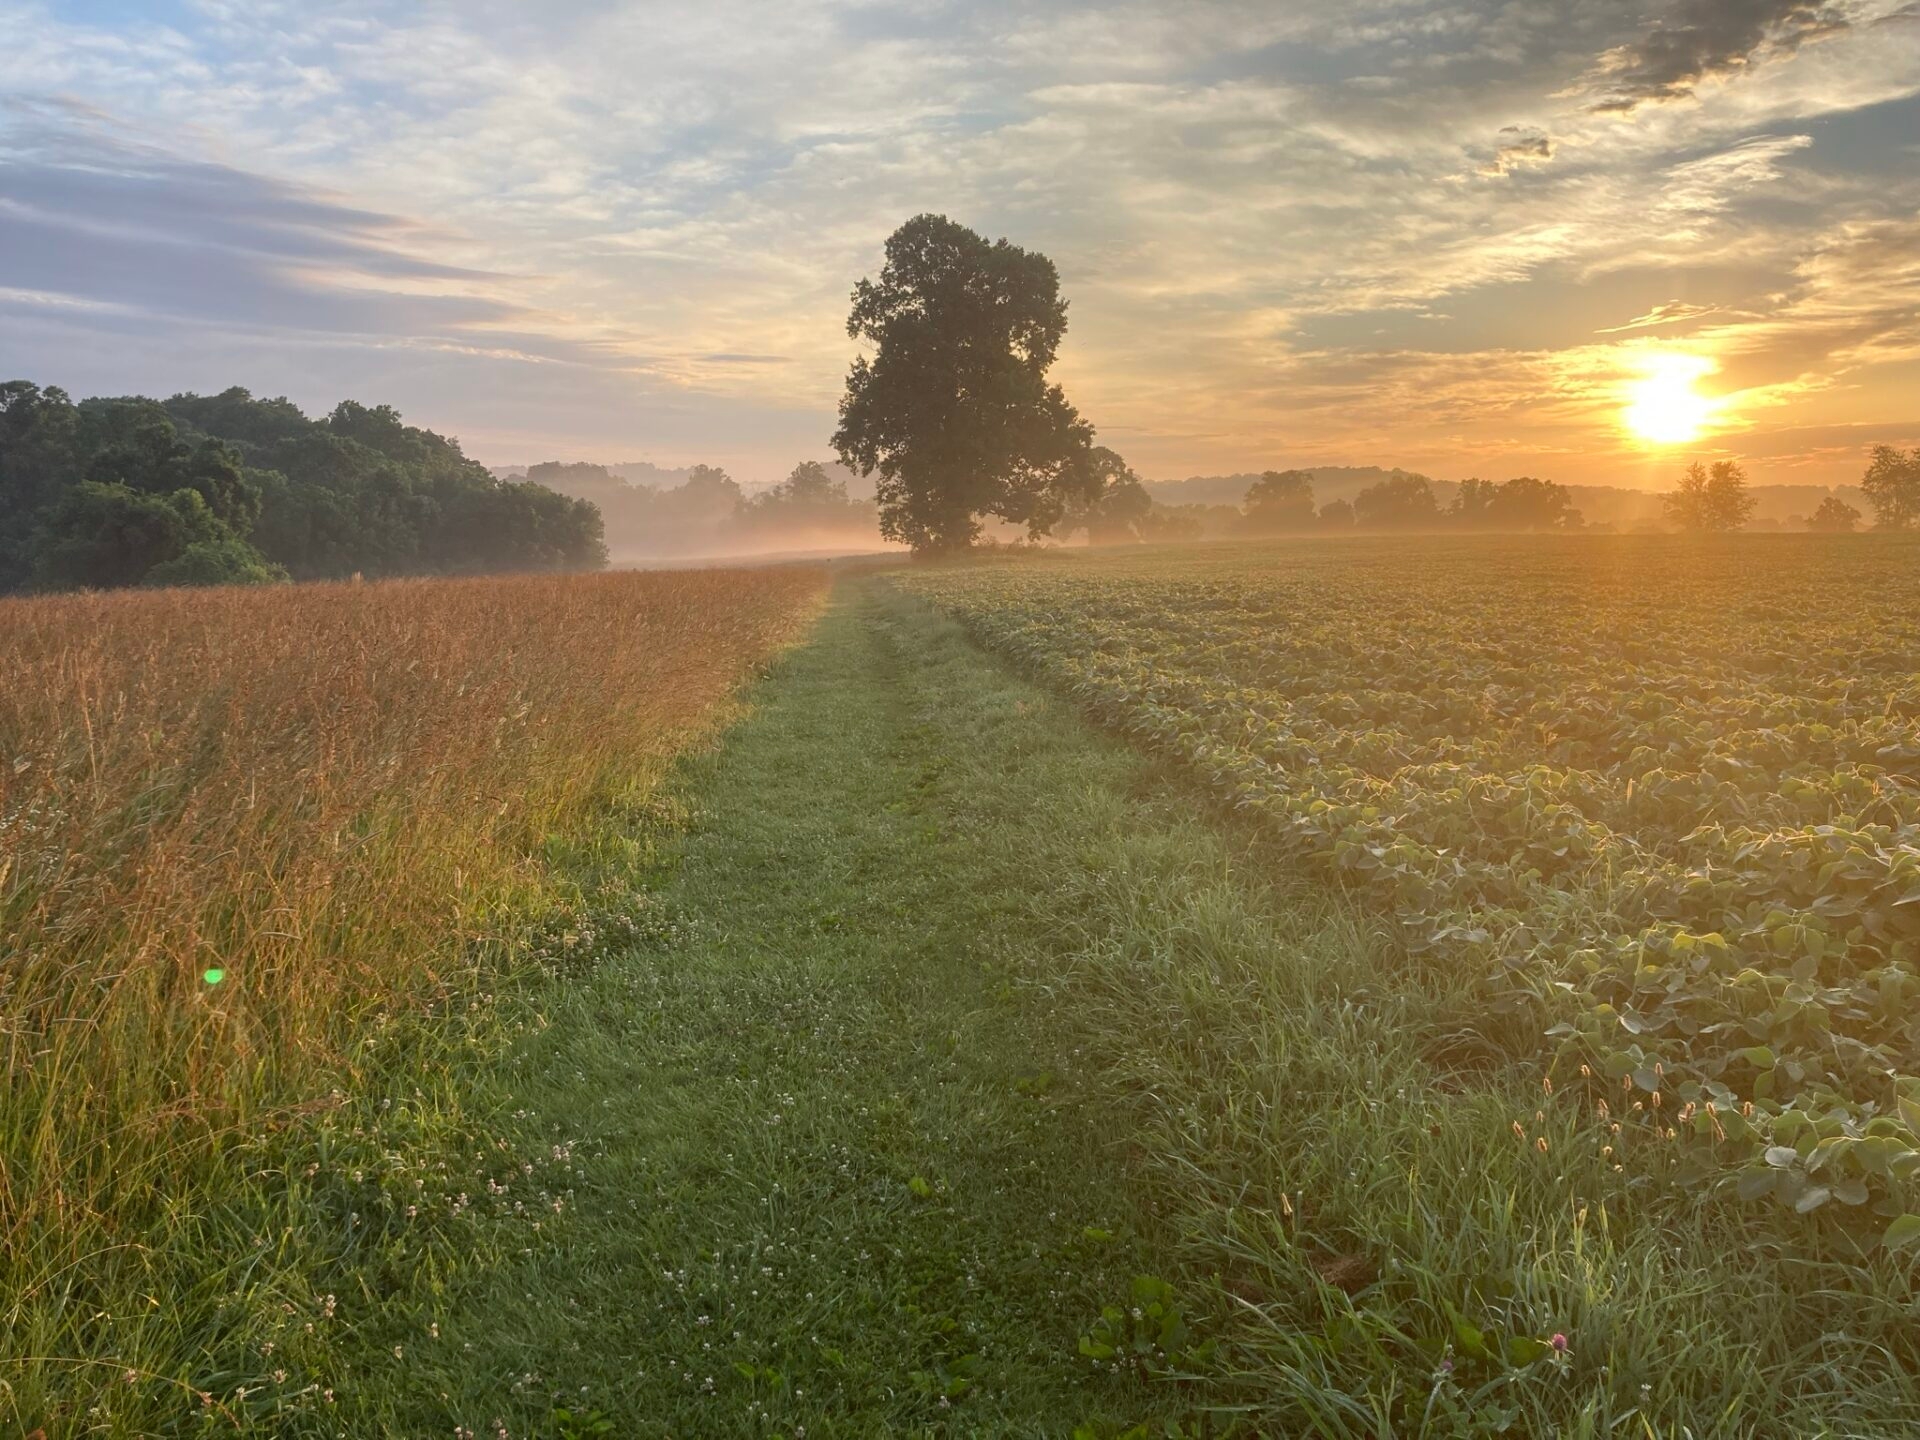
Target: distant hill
1617, 505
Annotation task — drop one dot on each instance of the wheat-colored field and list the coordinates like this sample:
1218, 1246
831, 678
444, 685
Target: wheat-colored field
237, 824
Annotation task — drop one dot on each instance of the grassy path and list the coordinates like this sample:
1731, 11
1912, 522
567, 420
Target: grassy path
831, 1174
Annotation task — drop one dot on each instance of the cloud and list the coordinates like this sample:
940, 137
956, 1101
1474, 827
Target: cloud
1712, 39
1519, 145
1671, 313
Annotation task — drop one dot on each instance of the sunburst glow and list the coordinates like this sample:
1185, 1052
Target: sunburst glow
1662, 406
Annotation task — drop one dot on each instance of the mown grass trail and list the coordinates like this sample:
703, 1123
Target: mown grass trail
833, 1174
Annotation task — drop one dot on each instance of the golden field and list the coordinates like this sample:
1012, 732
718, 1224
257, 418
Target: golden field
236, 823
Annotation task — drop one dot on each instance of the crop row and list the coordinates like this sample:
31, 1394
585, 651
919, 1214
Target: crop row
1662, 799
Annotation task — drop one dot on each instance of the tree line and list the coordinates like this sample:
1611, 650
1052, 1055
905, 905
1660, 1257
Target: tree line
229, 489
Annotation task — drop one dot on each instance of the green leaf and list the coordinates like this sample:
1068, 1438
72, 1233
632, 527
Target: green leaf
1755, 1183
1813, 1199
1781, 1156
1903, 1234
1468, 1337
1910, 1112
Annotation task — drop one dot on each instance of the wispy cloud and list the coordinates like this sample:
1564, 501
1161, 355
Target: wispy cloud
1710, 39
1673, 312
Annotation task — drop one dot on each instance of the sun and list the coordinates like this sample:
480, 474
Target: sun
1662, 407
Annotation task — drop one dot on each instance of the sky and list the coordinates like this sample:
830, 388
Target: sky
1589, 240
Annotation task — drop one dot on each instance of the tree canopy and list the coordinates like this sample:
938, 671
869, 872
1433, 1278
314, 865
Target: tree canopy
1834, 517
227, 489
1400, 502
1280, 501
1892, 486
1713, 499
954, 409
1522, 503
1116, 509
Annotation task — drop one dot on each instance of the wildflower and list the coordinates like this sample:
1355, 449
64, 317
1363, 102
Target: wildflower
1519, 1131
1559, 1343
1541, 1144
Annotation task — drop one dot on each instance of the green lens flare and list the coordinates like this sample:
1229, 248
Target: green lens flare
214, 977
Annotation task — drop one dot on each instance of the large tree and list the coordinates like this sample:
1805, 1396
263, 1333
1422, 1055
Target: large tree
954, 409
1710, 500
1892, 486
1280, 502
1399, 502
1117, 510
1834, 517
1522, 503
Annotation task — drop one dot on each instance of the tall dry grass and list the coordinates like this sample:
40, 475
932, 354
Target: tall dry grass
334, 796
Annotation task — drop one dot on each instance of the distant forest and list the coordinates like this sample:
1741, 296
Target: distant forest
227, 489
1215, 501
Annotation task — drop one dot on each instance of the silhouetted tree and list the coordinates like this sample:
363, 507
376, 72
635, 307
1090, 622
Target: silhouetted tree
1399, 502
810, 501
1892, 486
1117, 511
1834, 516
807, 485
1527, 503
1472, 506
1280, 502
954, 410
1710, 499
1336, 515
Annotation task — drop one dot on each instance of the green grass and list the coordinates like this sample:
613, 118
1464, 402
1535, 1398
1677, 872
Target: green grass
891, 1043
